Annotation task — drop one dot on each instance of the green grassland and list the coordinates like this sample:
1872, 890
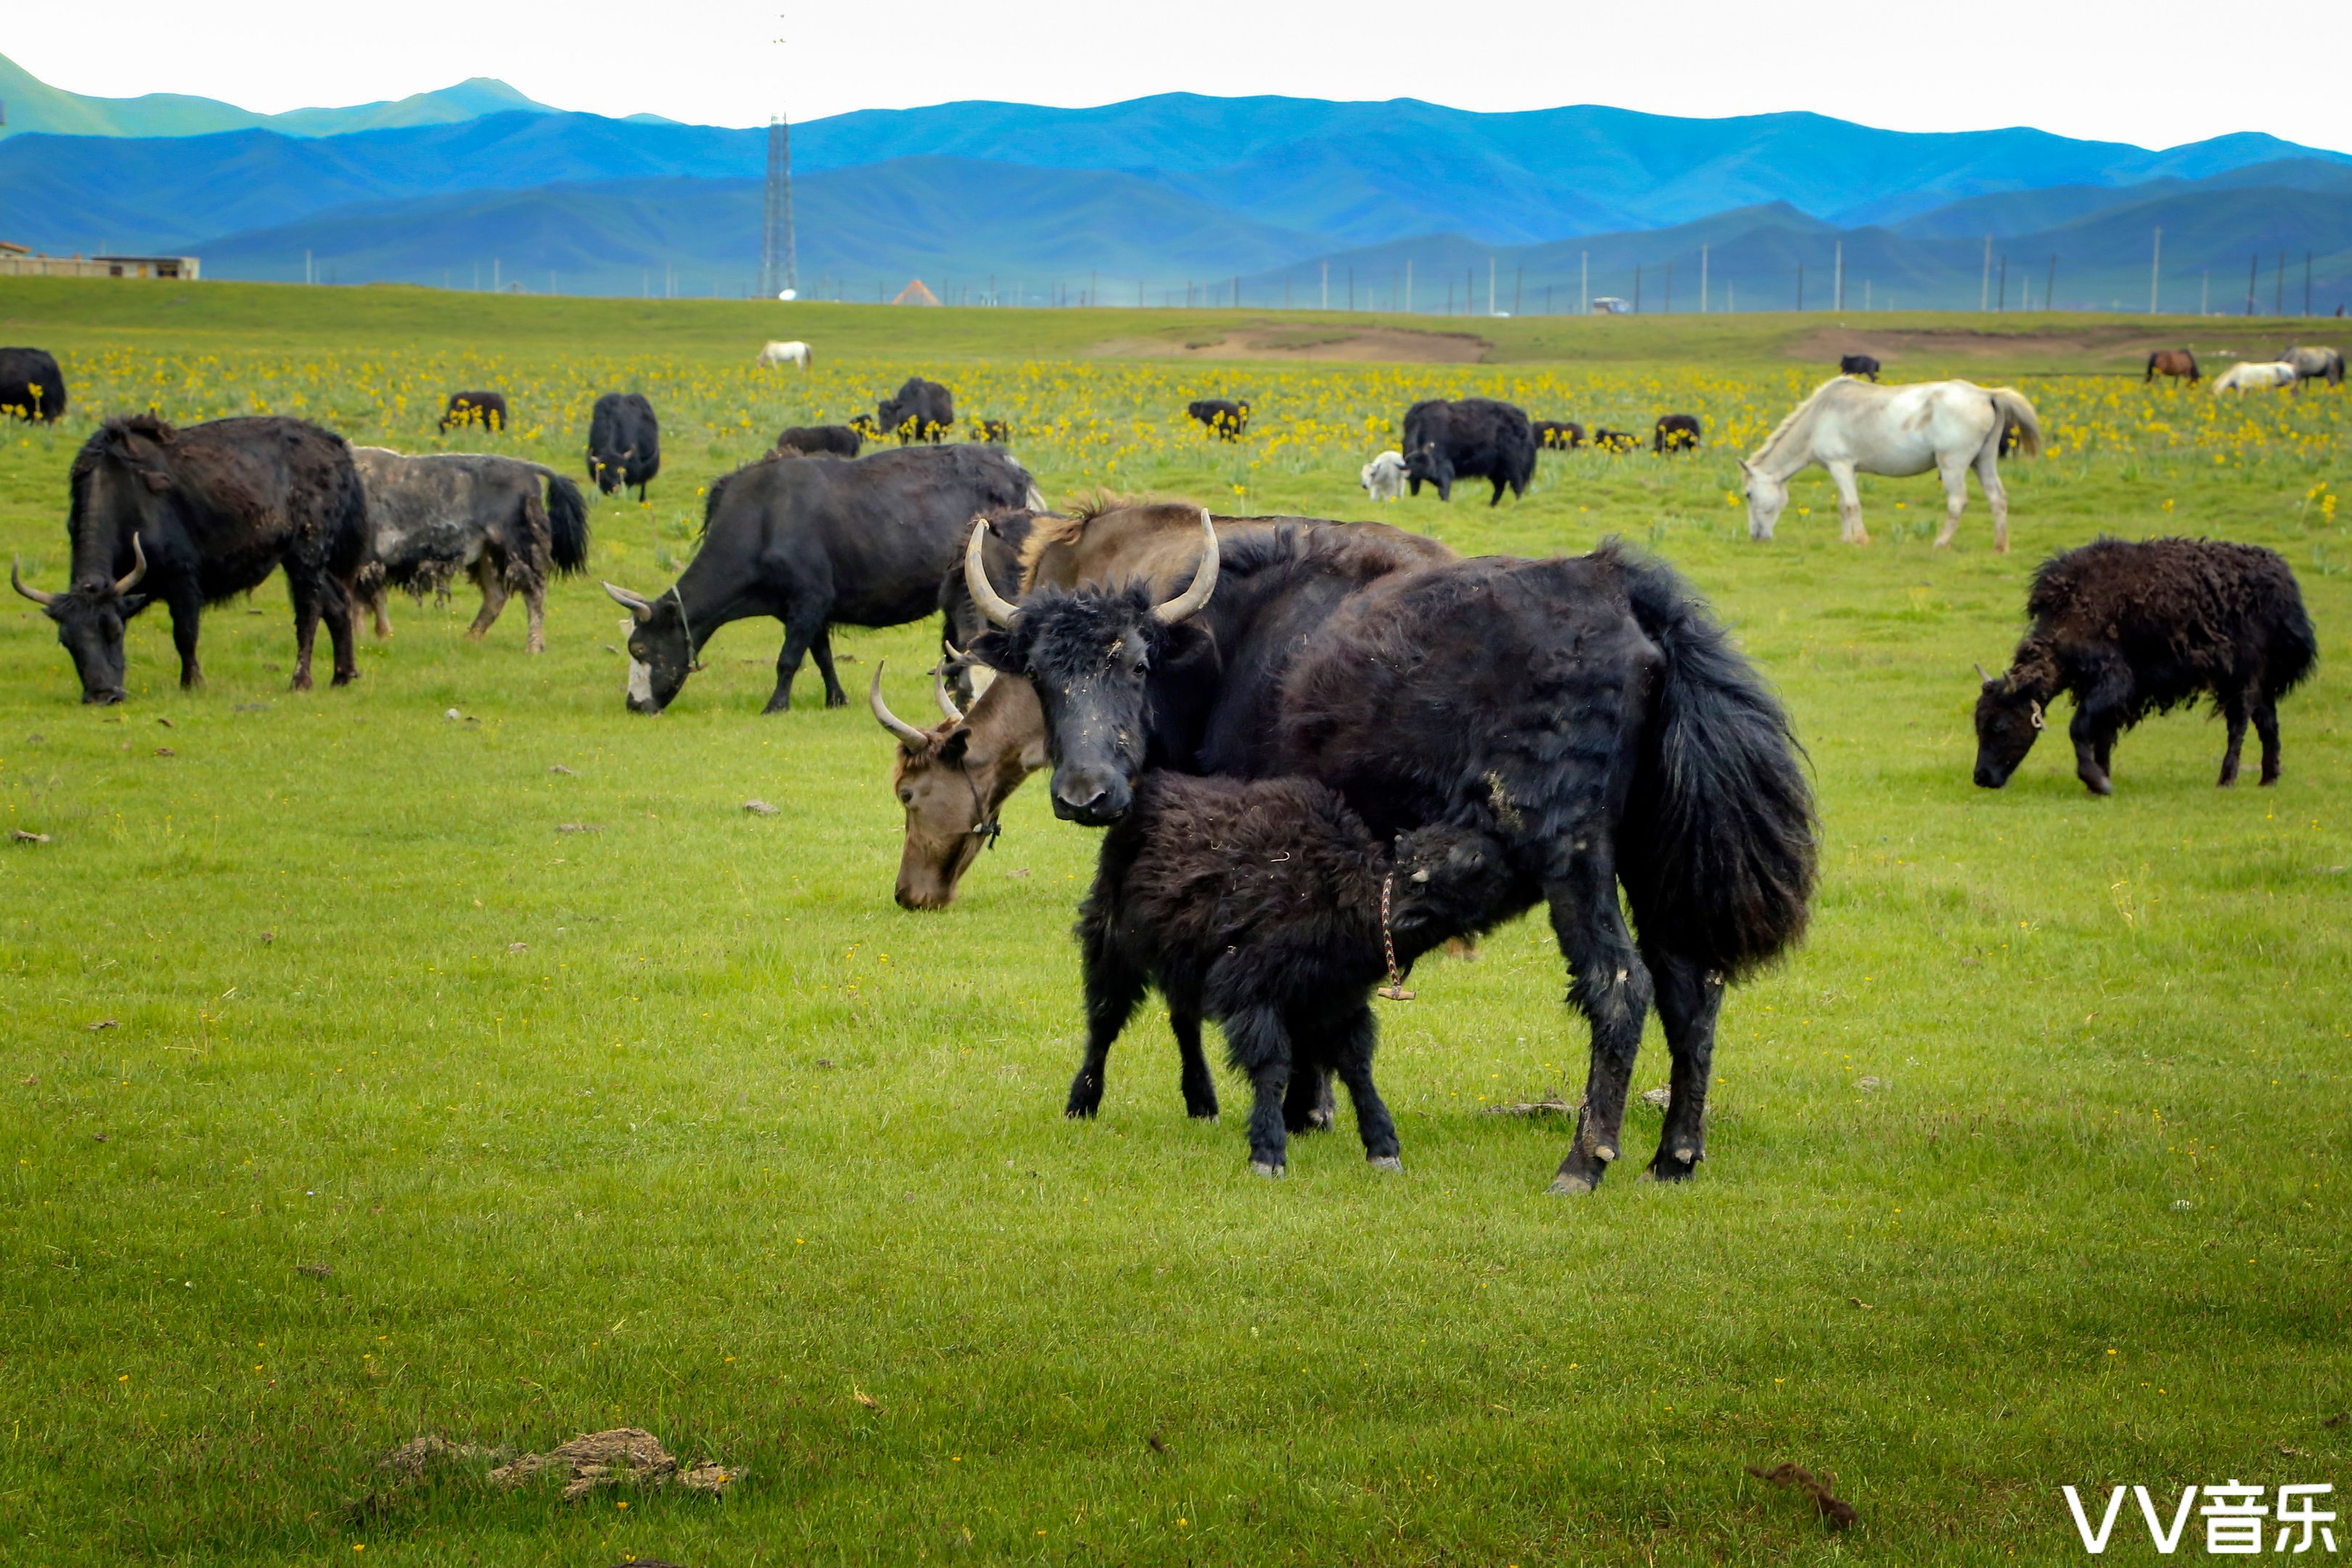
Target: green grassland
353, 1098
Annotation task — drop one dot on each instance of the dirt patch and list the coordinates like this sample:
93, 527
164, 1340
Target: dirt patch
1371, 345
2124, 347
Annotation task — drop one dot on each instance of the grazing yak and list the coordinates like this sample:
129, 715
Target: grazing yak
485, 410
1383, 476
1269, 907
1613, 441
818, 440
959, 619
1674, 433
32, 387
922, 411
2173, 362
994, 432
1588, 713
1224, 417
623, 443
1858, 364
434, 516
863, 543
192, 516
2254, 375
794, 353
2313, 365
2131, 628
1468, 438
1556, 434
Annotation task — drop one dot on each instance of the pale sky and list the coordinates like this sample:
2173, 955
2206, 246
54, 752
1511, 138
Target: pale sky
2153, 72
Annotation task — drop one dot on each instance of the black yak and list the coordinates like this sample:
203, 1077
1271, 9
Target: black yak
31, 386
1556, 434
196, 515
623, 443
433, 517
1674, 433
1616, 441
485, 409
1468, 438
994, 432
1588, 713
2132, 628
1225, 418
864, 543
818, 440
1270, 909
922, 411
1858, 364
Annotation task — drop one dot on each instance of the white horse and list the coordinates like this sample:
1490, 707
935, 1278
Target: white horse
1383, 476
1849, 425
2254, 375
786, 354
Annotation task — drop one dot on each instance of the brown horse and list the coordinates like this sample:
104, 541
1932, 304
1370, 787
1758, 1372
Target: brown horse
2173, 362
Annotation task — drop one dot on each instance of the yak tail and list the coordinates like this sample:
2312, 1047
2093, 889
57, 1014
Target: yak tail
2013, 408
567, 521
2295, 647
1719, 856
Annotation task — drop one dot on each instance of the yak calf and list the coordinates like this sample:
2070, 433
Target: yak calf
1269, 907
2134, 628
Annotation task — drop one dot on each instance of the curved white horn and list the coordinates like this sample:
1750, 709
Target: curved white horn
633, 602
1190, 602
17, 583
887, 720
129, 580
1000, 610
939, 691
1982, 676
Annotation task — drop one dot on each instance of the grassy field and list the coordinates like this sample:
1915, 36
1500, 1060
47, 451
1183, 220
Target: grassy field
2030, 1169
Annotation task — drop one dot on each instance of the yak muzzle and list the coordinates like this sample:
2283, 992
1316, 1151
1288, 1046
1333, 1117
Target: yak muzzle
1091, 797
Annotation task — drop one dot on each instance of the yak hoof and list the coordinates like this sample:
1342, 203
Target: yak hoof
1261, 1168
1565, 1185
2098, 784
1384, 1161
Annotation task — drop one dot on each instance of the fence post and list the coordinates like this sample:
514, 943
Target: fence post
2253, 268
1984, 290
2155, 263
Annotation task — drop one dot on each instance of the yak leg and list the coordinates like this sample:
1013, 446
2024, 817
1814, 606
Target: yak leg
1689, 999
1260, 1047
822, 649
1309, 1105
1200, 1087
1850, 528
1996, 494
1611, 985
337, 609
383, 620
304, 588
534, 602
492, 582
1114, 988
2093, 728
802, 627
1350, 1049
2233, 713
1500, 486
187, 614
2266, 726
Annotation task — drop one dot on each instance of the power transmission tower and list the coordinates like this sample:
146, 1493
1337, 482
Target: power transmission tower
779, 260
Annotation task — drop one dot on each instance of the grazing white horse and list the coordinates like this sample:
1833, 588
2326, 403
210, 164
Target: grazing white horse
785, 353
2254, 375
1849, 425
1383, 476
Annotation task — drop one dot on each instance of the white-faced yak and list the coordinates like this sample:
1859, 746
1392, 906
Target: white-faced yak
2131, 628
1270, 909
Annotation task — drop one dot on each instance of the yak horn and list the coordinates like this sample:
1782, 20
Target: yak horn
633, 602
1000, 610
887, 720
17, 583
1982, 676
940, 691
130, 579
1191, 602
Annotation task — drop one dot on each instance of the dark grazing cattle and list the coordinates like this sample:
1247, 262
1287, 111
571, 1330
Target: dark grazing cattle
1615, 441
486, 410
1226, 419
1468, 438
863, 543
1587, 713
623, 443
1556, 434
2173, 362
922, 411
1858, 364
863, 427
31, 386
433, 517
2131, 628
816, 440
1674, 433
1270, 909
197, 515
995, 432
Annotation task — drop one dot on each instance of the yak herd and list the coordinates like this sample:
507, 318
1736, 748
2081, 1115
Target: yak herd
1319, 749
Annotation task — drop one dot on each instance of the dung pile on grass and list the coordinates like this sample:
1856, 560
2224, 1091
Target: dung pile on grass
625, 1457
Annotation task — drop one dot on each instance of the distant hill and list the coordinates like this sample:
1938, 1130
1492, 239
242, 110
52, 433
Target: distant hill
35, 106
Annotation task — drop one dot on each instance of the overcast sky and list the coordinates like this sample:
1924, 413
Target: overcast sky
2154, 72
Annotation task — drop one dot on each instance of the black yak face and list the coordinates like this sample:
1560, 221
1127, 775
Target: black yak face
2009, 721
661, 654
90, 621
1449, 881
1094, 657
1424, 463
